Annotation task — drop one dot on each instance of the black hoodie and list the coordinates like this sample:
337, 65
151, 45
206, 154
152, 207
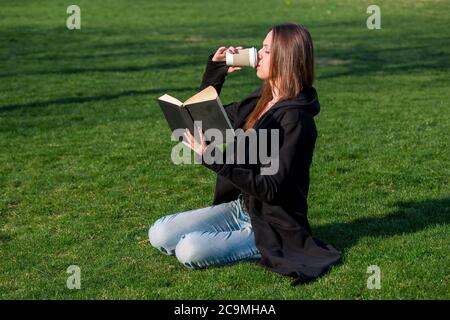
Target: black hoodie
277, 204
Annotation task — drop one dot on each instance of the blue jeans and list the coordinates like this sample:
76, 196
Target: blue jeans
215, 235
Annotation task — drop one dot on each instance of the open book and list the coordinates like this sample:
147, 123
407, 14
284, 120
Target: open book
205, 106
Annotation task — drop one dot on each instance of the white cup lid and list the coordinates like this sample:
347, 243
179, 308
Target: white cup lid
253, 57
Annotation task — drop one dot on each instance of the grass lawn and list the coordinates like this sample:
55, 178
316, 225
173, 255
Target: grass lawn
85, 151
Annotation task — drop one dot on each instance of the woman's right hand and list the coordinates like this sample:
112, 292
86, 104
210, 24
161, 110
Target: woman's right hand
220, 55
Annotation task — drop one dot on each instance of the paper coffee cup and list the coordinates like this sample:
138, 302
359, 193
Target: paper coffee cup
244, 58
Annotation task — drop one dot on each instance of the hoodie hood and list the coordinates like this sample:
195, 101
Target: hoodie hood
306, 100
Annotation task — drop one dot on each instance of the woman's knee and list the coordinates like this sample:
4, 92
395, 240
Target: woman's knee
189, 250
160, 237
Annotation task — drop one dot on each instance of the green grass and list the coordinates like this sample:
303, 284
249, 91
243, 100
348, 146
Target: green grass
85, 152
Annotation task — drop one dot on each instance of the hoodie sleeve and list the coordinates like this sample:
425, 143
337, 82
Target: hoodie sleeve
265, 187
214, 75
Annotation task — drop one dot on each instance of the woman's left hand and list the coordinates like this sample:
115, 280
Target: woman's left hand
192, 144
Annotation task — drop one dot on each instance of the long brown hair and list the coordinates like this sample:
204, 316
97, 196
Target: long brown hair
291, 67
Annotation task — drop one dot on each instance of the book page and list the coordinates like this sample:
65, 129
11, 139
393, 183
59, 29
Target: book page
171, 100
209, 93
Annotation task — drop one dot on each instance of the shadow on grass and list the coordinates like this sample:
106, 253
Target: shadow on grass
360, 57
362, 61
81, 99
408, 217
364, 54
71, 100
125, 69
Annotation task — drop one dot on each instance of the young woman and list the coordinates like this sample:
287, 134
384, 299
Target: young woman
257, 216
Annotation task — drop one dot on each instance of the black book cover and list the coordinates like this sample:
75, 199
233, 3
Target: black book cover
205, 106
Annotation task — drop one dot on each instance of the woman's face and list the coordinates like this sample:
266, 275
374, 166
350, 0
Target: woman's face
262, 68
